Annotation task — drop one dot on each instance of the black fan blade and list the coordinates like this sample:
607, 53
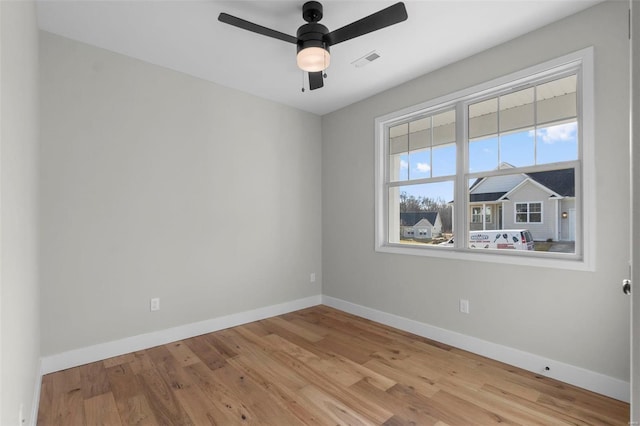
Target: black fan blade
315, 80
250, 26
384, 18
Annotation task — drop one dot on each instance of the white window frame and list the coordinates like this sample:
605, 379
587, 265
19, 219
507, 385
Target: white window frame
583, 258
528, 203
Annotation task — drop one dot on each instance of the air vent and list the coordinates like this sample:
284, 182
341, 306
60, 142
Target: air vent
366, 59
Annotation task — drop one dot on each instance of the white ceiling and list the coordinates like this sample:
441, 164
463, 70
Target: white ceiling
185, 35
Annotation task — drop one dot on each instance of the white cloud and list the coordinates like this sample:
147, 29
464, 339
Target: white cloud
423, 167
559, 133
404, 164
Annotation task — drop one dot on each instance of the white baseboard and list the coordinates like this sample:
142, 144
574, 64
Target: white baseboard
567, 373
33, 419
106, 350
586, 379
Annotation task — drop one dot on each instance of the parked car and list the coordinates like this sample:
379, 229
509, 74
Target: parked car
515, 239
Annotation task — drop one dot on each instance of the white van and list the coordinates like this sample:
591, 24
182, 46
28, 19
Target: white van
515, 239
518, 239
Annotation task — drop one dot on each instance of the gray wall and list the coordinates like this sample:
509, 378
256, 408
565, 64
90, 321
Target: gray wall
580, 318
158, 184
635, 163
19, 305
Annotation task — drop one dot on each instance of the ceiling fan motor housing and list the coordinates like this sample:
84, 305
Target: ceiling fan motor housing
312, 35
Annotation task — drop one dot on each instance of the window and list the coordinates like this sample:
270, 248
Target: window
477, 213
421, 164
528, 212
513, 153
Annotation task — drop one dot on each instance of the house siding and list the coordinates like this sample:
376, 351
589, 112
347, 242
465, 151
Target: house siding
530, 193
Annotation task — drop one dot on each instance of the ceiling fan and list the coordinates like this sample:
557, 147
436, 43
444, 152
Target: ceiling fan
314, 39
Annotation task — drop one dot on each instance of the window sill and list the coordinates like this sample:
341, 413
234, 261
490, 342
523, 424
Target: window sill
556, 261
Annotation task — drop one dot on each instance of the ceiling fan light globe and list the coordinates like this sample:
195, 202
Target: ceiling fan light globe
313, 59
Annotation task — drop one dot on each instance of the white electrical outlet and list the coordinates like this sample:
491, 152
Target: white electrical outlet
464, 306
154, 305
312, 277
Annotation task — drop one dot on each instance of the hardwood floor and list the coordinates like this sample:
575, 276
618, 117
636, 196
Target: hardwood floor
318, 366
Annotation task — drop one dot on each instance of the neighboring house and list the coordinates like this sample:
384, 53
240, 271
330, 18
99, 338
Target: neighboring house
543, 202
425, 225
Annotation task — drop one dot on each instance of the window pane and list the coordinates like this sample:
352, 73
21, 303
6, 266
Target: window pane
398, 139
421, 214
483, 118
518, 149
557, 143
419, 164
516, 110
420, 134
444, 160
420, 148
476, 215
444, 128
535, 212
556, 100
524, 201
483, 154
398, 152
399, 167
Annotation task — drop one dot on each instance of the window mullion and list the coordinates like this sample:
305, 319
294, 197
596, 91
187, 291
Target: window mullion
499, 133
535, 124
431, 146
461, 196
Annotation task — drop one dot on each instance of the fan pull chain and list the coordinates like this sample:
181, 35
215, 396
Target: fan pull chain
324, 71
302, 81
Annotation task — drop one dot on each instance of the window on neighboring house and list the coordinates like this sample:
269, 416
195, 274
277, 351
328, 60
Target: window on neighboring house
528, 212
476, 214
521, 137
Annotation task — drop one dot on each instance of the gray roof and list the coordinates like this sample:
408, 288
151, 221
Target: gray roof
486, 196
412, 218
562, 182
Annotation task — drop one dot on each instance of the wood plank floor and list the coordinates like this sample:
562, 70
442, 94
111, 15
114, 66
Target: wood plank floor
318, 366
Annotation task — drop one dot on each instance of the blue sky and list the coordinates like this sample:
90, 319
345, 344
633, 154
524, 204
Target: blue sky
521, 148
